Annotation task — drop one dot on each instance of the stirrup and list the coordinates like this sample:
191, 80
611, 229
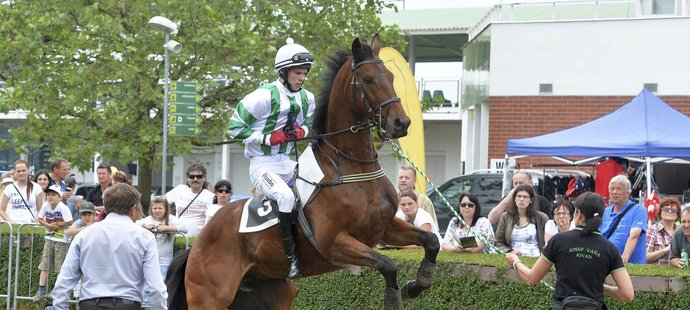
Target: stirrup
294, 267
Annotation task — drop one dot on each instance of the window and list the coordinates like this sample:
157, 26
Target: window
545, 89
652, 87
658, 7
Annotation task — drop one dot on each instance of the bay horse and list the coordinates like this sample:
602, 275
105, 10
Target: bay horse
225, 268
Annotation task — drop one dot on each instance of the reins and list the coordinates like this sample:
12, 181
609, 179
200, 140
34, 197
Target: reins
375, 122
375, 111
372, 123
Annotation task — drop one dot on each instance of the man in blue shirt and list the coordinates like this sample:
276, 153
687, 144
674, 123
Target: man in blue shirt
630, 235
117, 259
59, 170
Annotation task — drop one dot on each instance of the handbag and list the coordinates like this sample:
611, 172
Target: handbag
578, 302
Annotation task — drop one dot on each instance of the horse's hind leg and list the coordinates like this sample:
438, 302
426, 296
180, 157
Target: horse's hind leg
401, 233
348, 250
211, 284
276, 294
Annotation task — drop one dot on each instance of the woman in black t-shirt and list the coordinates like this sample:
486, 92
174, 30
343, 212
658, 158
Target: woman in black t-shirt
574, 251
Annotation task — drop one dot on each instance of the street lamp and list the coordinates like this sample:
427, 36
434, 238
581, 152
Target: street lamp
167, 26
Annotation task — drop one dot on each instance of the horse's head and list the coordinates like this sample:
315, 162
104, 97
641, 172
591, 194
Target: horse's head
373, 93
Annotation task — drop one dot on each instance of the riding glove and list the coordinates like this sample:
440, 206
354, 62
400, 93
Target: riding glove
275, 138
282, 136
294, 132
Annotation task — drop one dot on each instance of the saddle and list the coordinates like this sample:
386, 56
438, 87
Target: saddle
261, 212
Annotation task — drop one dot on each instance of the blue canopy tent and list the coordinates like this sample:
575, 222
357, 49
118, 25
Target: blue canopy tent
644, 127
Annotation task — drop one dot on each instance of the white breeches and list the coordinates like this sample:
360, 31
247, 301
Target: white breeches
270, 174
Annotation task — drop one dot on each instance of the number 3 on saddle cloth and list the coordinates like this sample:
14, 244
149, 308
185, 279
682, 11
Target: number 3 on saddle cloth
260, 212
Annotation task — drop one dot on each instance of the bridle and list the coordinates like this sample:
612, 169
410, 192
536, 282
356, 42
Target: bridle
365, 99
374, 122
374, 110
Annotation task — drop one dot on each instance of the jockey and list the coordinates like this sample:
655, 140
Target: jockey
264, 121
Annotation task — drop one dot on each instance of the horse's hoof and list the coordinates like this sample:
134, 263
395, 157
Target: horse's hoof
411, 289
405, 291
392, 299
425, 274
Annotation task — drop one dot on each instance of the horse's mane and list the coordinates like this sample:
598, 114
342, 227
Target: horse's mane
333, 64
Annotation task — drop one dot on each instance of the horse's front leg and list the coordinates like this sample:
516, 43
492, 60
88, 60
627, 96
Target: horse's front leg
349, 251
401, 233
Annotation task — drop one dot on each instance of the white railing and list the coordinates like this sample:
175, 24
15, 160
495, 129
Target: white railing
449, 89
600, 9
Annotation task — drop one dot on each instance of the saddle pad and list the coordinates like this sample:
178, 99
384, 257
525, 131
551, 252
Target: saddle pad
309, 170
258, 214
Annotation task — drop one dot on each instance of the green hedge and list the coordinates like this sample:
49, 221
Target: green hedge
342, 290
455, 286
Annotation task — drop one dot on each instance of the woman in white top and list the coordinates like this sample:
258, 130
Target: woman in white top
521, 228
562, 219
23, 197
223, 190
409, 211
163, 225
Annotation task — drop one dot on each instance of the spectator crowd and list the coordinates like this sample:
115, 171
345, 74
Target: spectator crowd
522, 224
48, 199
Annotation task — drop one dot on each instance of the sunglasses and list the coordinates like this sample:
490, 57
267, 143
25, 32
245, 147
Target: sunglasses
467, 205
196, 176
669, 209
223, 191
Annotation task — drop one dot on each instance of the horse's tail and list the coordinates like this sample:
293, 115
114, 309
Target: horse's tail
177, 296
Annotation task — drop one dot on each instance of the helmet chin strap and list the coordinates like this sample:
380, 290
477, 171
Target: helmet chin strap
283, 73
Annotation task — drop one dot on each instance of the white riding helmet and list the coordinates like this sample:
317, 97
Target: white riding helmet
292, 55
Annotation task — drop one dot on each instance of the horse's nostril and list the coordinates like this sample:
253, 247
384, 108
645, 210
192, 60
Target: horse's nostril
401, 123
399, 126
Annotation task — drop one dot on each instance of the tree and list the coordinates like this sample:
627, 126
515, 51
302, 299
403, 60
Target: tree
88, 73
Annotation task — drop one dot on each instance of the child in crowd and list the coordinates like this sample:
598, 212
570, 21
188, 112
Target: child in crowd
74, 201
87, 216
162, 224
55, 216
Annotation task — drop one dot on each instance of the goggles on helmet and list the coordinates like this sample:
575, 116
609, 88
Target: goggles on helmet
302, 57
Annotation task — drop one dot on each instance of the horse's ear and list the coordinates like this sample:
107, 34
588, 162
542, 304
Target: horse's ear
376, 44
357, 50
356, 45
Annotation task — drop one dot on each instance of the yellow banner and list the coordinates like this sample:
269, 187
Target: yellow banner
406, 88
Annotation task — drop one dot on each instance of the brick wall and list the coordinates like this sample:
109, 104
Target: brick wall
512, 117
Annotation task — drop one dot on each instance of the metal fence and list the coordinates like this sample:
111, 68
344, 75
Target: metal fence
22, 252
32, 234
10, 241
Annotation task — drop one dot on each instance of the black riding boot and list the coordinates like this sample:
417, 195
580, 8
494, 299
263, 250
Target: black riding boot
285, 222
